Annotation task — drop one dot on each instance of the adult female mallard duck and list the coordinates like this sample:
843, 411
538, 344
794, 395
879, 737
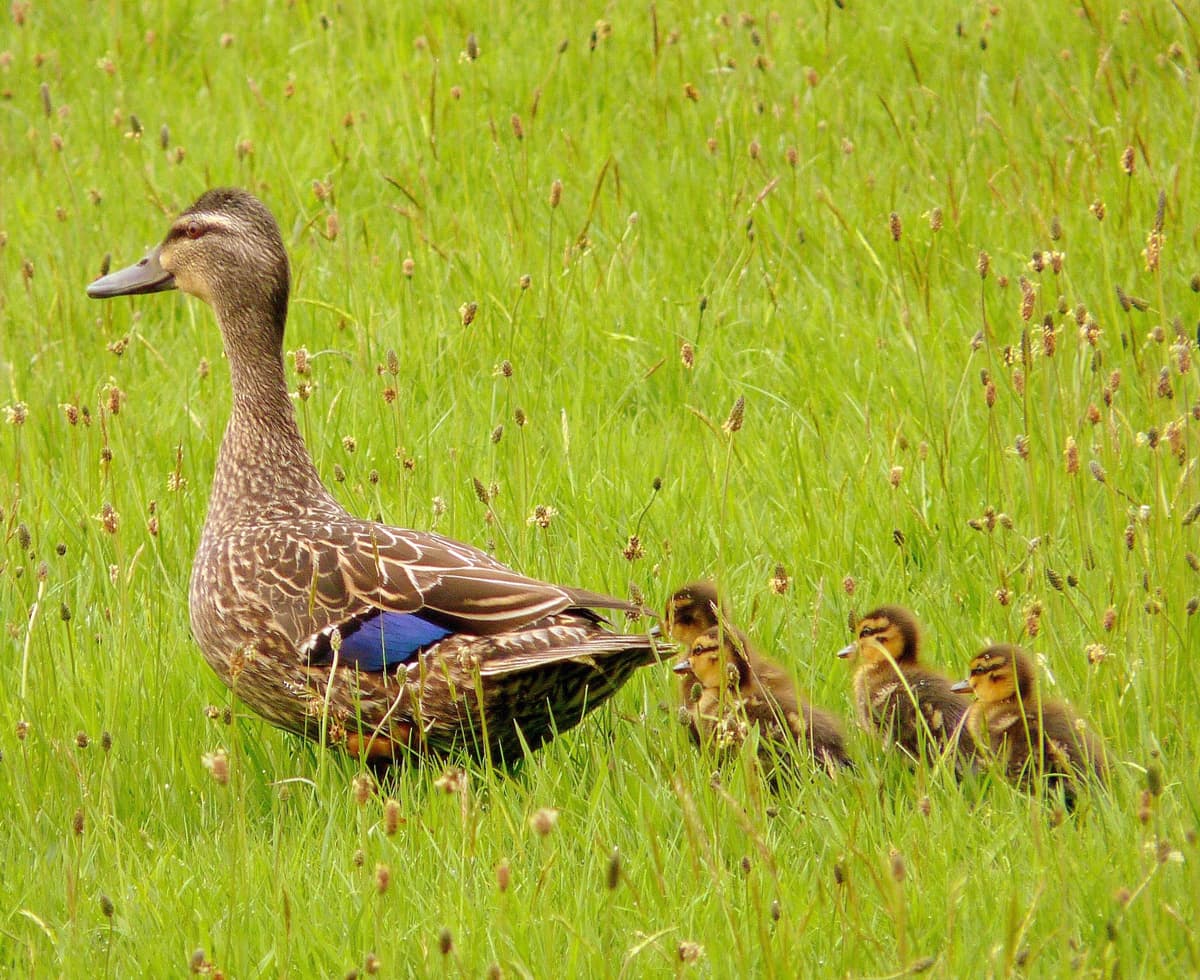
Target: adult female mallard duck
911, 705
740, 688
378, 639
1033, 742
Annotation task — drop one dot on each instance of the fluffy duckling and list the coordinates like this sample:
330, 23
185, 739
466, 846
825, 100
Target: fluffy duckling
1032, 741
692, 611
909, 704
739, 688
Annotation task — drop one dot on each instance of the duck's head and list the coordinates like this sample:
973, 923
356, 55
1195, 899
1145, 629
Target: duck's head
717, 657
889, 632
692, 610
1000, 673
225, 249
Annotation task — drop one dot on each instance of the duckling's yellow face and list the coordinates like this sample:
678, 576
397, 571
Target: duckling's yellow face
879, 638
992, 677
713, 659
690, 613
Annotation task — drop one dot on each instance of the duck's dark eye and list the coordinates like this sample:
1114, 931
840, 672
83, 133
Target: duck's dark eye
194, 229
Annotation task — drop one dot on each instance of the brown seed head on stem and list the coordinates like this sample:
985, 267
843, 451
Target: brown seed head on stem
736, 416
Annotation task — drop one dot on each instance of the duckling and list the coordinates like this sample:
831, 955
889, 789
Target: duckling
693, 610
1033, 742
909, 704
740, 688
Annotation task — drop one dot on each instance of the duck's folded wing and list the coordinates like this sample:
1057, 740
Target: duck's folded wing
460, 586
320, 576
376, 640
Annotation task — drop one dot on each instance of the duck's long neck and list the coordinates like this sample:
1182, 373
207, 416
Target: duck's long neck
264, 466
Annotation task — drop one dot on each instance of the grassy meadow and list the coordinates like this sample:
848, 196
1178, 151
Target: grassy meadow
948, 255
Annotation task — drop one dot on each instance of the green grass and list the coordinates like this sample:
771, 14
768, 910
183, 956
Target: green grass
853, 351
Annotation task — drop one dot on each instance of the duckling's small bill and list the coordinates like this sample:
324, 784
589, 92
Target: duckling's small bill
146, 276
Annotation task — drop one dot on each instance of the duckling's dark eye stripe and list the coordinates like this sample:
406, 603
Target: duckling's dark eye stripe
983, 669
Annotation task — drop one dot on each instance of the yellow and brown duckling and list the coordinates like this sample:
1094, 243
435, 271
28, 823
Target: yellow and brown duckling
1033, 742
911, 705
693, 610
740, 688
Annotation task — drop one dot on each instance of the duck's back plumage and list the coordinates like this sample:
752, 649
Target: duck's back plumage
418, 631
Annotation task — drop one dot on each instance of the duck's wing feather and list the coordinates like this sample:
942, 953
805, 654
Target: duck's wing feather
314, 574
373, 641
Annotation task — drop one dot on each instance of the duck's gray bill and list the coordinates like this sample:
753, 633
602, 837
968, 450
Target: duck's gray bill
962, 687
145, 277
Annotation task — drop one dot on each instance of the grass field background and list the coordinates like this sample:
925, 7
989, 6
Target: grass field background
1012, 454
